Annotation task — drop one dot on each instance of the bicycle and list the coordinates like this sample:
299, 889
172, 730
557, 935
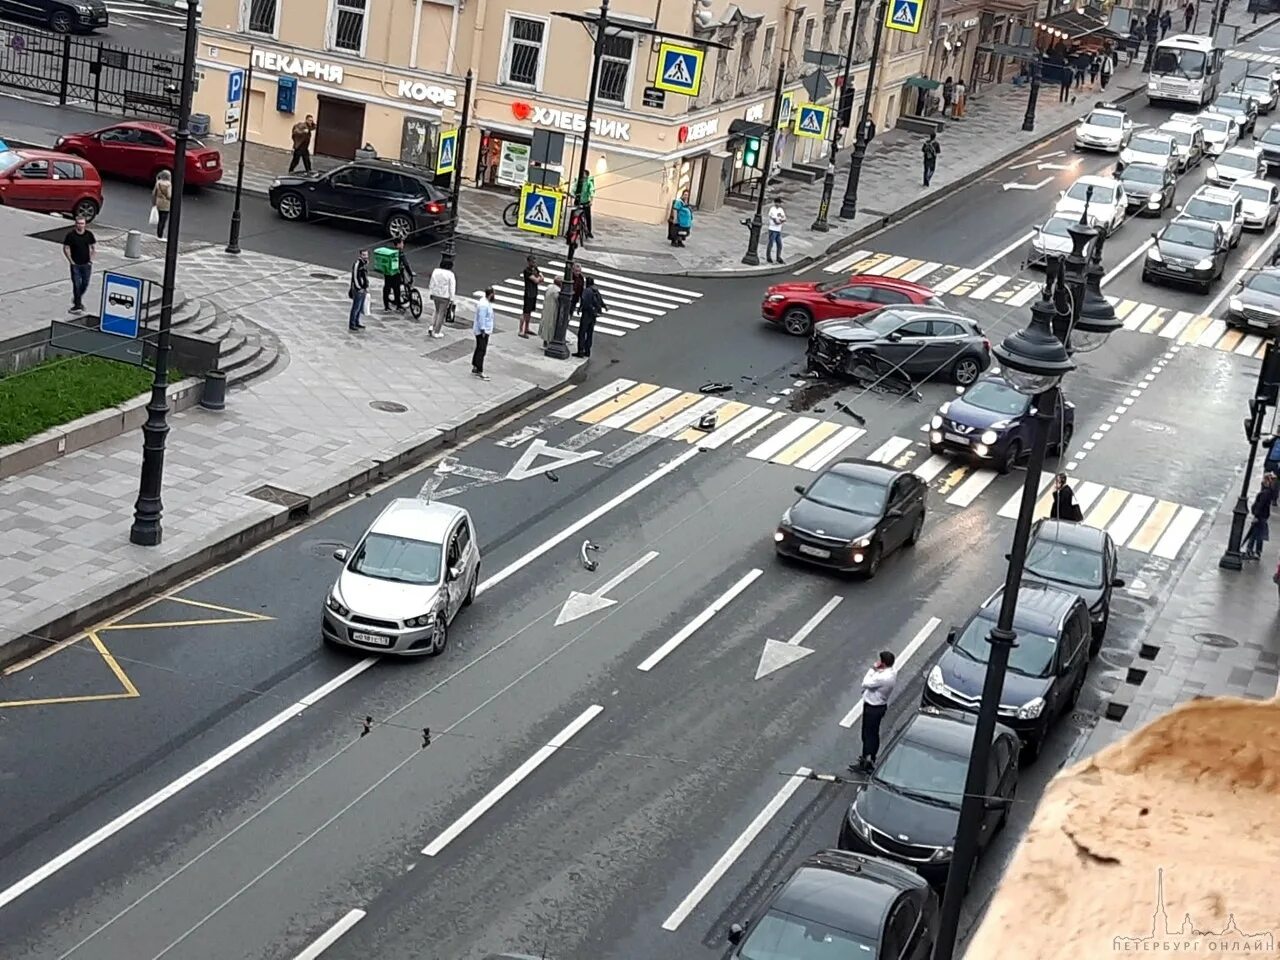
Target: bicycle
511, 215
413, 296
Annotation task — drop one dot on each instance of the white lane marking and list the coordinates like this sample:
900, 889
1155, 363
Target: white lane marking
1135, 509
1005, 251
1177, 324
1139, 315
331, 936
1119, 267
687, 418
957, 278
844, 263
687, 296
1229, 288
932, 467
990, 287
907, 653
1024, 296
744, 421
889, 449
783, 438
922, 271
1248, 344
694, 625
1177, 533
730, 856
1212, 334
1086, 493
513, 780
884, 266
593, 399
829, 449
813, 622
968, 491
622, 454
634, 411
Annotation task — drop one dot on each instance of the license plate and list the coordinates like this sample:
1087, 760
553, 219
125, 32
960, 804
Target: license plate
374, 639
1259, 323
956, 438
1175, 269
814, 551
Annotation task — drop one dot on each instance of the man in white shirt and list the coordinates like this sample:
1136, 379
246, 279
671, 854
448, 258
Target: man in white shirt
442, 287
877, 688
777, 217
482, 328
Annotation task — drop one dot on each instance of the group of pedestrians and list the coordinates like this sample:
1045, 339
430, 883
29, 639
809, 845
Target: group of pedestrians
585, 301
1259, 531
954, 98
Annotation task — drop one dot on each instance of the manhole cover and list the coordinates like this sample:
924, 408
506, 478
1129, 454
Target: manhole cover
1216, 640
323, 276
322, 548
284, 498
389, 406
1127, 607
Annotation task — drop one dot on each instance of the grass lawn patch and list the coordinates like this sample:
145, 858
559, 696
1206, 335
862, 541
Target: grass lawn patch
64, 388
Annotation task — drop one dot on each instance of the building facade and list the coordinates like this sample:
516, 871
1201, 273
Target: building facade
388, 74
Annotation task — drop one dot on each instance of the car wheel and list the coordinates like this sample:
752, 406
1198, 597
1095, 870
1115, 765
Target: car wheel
87, 208
1010, 457
60, 21
966, 370
439, 635
937, 450
292, 206
1004, 814
1031, 747
1099, 634
471, 593
874, 557
1146, 277
399, 226
1065, 442
914, 537
797, 321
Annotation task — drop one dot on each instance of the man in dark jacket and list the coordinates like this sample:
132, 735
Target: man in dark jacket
592, 306
300, 135
1064, 505
1261, 510
393, 284
931, 148
358, 291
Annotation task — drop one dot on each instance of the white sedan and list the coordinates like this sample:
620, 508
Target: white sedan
1051, 239
1106, 206
1152, 147
1220, 132
1104, 128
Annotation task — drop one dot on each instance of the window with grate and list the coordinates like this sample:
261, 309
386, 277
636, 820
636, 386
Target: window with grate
261, 17
846, 24
746, 61
348, 25
615, 68
808, 35
766, 56
525, 37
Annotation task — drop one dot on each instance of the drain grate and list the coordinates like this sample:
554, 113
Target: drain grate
388, 406
282, 498
1216, 640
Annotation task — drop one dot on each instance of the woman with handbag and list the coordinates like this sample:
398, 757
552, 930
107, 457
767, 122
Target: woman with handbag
161, 201
1064, 501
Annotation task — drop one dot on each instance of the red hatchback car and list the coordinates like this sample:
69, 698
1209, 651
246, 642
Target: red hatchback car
139, 149
49, 182
799, 305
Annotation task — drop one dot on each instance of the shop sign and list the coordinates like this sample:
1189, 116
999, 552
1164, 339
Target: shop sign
572, 122
969, 24
755, 114
694, 132
417, 90
275, 62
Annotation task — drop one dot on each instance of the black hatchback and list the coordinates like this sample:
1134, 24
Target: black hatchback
839, 904
397, 198
921, 342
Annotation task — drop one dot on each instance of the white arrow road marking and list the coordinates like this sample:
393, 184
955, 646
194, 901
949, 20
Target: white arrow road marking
524, 467
1050, 156
580, 605
1024, 164
1071, 165
1027, 186
777, 655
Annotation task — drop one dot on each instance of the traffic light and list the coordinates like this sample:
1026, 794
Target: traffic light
751, 152
574, 231
845, 113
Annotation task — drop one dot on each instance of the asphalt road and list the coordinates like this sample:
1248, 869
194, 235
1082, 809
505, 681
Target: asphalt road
633, 812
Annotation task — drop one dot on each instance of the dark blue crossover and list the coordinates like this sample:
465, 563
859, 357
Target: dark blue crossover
991, 422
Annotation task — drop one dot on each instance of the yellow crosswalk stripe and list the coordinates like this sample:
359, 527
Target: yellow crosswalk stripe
1106, 509
1149, 533
1158, 319
664, 412
903, 269
809, 441
1125, 307
1194, 329
620, 402
1229, 341
865, 264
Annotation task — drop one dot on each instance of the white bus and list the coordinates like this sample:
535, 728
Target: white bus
1185, 69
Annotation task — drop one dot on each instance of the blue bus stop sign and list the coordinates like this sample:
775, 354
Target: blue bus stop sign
121, 312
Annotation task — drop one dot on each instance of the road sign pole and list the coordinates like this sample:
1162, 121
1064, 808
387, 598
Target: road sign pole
455, 189
752, 256
829, 180
849, 205
233, 242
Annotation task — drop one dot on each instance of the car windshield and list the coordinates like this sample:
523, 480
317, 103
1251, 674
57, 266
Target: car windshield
400, 559
1257, 84
996, 396
782, 936
1065, 563
1270, 135
883, 322
1101, 192
921, 768
1203, 209
1182, 63
1033, 656
1230, 104
1056, 227
1265, 283
9, 158
1215, 124
1180, 137
1142, 173
826, 286
1239, 161
852, 494
1100, 119
1157, 145
1257, 193
1188, 235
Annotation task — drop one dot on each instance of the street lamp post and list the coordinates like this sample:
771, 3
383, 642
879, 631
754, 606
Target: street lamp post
752, 256
829, 180
849, 205
1029, 119
459, 154
233, 241
146, 530
1232, 558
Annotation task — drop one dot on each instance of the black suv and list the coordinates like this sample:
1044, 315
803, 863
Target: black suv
60, 16
395, 197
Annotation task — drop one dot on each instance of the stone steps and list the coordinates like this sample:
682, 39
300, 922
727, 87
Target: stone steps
245, 350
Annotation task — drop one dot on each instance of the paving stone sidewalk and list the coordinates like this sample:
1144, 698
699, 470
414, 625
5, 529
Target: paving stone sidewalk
313, 427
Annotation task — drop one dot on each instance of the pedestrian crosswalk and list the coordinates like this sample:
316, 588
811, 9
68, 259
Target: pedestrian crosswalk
632, 303
174, 15
1255, 57
1176, 326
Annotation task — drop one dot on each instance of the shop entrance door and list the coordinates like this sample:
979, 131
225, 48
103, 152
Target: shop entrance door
339, 127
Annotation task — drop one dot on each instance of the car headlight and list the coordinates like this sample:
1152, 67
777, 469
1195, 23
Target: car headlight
936, 422
862, 541
1204, 264
857, 823
942, 853
1211, 171
275, 183
1031, 709
1157, 196
989, 437
421, 621
1153, 253
935, 436
59, 142
775, 298
935, 681
1235, 306
334, 604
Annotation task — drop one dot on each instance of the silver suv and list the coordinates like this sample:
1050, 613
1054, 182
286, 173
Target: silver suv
1217, 205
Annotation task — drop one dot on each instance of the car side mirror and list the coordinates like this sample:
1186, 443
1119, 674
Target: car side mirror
1061, 194
1117, 581
951, 635
894, 337
995, 803
455, 573
736, 933
342, 553
799, 488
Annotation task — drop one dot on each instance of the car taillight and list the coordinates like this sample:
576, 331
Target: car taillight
435, 206
986, 344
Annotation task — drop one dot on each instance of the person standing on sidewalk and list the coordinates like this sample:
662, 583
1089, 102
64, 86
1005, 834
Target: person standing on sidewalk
579, 285
358, 291
393, 282
442, 287
79, 247
948, 95
1260, 529
777, 217
1095, 66
301, 136
1064, 81
532, 278
961, 92
679, 220
585, 193
1188, 15
483, 329
162, 200
877, 688
1108, 65
930, 148
592, 306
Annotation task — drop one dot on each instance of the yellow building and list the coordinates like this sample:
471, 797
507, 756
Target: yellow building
390, 75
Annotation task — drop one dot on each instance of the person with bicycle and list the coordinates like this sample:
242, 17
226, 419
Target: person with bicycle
394, 285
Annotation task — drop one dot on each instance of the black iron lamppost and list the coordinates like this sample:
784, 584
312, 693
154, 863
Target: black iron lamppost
752, 256
146, 530
1232, 558
849, 205
1029, 119
459, 153
837, 130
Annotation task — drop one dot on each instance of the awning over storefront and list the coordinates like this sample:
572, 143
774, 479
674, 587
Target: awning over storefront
924, 83
1074, 25
747, 128
1008, 50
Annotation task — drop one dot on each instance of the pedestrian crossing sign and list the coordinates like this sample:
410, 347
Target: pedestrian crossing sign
447, 153
540, 210
679, 69
812, 121
904, 15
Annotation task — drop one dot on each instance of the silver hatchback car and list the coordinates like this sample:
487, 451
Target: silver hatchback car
400, 588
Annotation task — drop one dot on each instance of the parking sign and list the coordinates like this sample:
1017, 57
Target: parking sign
235, 86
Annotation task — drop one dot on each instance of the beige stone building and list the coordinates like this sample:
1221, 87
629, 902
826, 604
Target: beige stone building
389, 73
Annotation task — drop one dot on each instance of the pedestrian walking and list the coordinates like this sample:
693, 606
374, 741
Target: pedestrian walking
301, 136
930, 148
585, 192
1260, 528
592, 306
483, 329
393, 281
1064, 505
532, 278
777, 218
161, 201
877, 688
1095, 66
1166, 21
79, 247
1188, 15
1108, 65
578, 279
441, 289
1065, 76
960, 93
358, 291
1081, 70
948, 95
679, 220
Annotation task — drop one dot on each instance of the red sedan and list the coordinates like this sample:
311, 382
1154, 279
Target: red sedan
798, 306
49, 182
139, 149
